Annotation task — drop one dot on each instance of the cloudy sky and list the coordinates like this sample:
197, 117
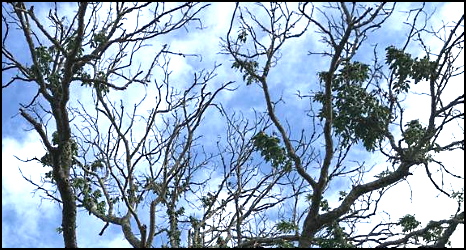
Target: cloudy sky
29, 221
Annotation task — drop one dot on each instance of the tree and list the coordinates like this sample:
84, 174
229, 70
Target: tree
150, 164
97, 170
359, 104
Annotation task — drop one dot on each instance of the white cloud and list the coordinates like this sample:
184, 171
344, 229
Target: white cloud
17, 193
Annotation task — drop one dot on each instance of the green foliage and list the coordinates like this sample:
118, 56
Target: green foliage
115, 200
55, 138
194, 222
46, 160
42, 69
342, 194
414, 132
324, 205
404, 66
208, 200
357, 114
79, 182
73, 147
180, 211
352, 73
101, 207
98, 39
285, 244
91, 197
97, 164
249, 67
383, 173
309, 197
408, 223
286, 226
176, 235
221, 243
87, 80
54, 80
337, 238
459, 196
44, 59
71, 43
49, 175
433, 233
56, 141
271, 150
98, 83
242, 36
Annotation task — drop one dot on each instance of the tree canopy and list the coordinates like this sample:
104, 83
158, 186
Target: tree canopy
292, 135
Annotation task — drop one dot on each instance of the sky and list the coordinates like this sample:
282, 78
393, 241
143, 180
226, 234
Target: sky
30, 221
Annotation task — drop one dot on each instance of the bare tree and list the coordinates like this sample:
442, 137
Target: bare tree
249, 193
95, 167
360, 104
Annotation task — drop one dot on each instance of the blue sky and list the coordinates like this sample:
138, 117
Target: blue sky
29, 221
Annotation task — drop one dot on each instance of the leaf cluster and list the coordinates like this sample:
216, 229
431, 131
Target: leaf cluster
242, 36
286, 226
176, 213
433, 233
98, 39
404, 66
249, 67
91, 197
357, 114
71, 43
383, 173
324, 202
43, 58
42, 68
98, 82
337, 238
270, 149
414, 132
408, 223
208, 200
47, 159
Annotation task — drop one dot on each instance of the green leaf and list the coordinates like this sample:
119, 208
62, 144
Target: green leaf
324, 205
101, 207
270, 149
414, 132
408, 223
286, 226
242, 36
404, 67
308, 197
79, 182
358, 116
433, 233
249, 67
98, 164
342, 195
46, 160
383, 173
459, 196
335, 238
